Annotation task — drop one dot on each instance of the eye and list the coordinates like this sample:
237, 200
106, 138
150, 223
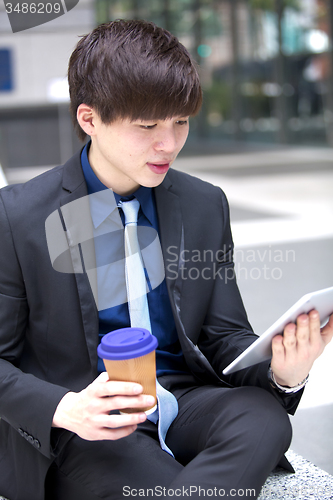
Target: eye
147, 127
182, 122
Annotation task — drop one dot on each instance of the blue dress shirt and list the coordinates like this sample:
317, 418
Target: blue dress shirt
169, 357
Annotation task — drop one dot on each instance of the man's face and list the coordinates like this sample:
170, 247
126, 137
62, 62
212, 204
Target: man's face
126, 155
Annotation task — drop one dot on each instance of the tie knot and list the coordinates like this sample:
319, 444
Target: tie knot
131, 210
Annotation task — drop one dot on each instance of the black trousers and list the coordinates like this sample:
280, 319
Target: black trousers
225, 441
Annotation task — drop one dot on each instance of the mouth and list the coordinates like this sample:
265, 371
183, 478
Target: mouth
159, 168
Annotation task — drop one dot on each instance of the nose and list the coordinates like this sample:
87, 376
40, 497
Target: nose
166, 141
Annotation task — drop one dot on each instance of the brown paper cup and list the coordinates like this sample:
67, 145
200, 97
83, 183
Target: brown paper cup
141, 370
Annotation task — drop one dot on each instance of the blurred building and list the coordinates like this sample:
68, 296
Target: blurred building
266, 69
35, 127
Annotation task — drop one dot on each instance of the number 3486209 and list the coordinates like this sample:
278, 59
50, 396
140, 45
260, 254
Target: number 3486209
33, 8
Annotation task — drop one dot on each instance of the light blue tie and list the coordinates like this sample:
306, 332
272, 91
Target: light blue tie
136, 285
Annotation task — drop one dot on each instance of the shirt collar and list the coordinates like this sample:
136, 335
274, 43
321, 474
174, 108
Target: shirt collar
100, 206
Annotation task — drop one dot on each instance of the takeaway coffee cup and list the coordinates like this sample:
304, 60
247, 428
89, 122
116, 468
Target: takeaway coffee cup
129, 356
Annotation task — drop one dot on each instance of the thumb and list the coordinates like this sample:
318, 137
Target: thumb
102, 377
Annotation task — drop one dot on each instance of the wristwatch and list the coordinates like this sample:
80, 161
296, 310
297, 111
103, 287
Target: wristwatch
285, 389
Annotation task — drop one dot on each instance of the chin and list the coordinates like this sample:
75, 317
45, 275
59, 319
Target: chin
152, 183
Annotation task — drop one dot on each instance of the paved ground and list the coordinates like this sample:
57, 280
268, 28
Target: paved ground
282, 219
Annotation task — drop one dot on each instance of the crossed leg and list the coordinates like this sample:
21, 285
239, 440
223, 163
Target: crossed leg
225, 440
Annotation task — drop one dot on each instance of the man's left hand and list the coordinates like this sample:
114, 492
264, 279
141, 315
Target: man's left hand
295, 351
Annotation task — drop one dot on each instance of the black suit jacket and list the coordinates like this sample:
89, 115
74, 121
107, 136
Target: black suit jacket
49, 320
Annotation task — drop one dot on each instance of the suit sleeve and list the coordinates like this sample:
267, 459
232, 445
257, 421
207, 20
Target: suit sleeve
226, 332
27, 403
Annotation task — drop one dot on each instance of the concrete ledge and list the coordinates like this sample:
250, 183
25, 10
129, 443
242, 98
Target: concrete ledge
308, 483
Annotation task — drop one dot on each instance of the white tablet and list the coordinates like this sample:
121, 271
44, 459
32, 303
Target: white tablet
261, 349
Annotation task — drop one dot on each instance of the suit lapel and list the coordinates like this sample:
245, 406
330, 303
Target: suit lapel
171, 228
75, 191
171, 233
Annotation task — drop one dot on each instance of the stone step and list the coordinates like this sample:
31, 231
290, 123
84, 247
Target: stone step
308, 482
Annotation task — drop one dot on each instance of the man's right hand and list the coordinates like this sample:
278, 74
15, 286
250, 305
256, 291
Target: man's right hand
87, 412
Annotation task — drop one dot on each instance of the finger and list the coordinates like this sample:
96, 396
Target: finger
113, 388
302, 331
278, 349
102, 377
278, 354
117, 421
124, 388
314, 326
142, 401
289, 337
106, 405
106, 433
327, 331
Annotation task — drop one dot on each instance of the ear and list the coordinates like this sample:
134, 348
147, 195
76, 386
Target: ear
86, 117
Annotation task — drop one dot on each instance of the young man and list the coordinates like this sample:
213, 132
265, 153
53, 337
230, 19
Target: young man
133, 88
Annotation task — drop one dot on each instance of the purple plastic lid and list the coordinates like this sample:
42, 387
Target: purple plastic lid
126, 343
